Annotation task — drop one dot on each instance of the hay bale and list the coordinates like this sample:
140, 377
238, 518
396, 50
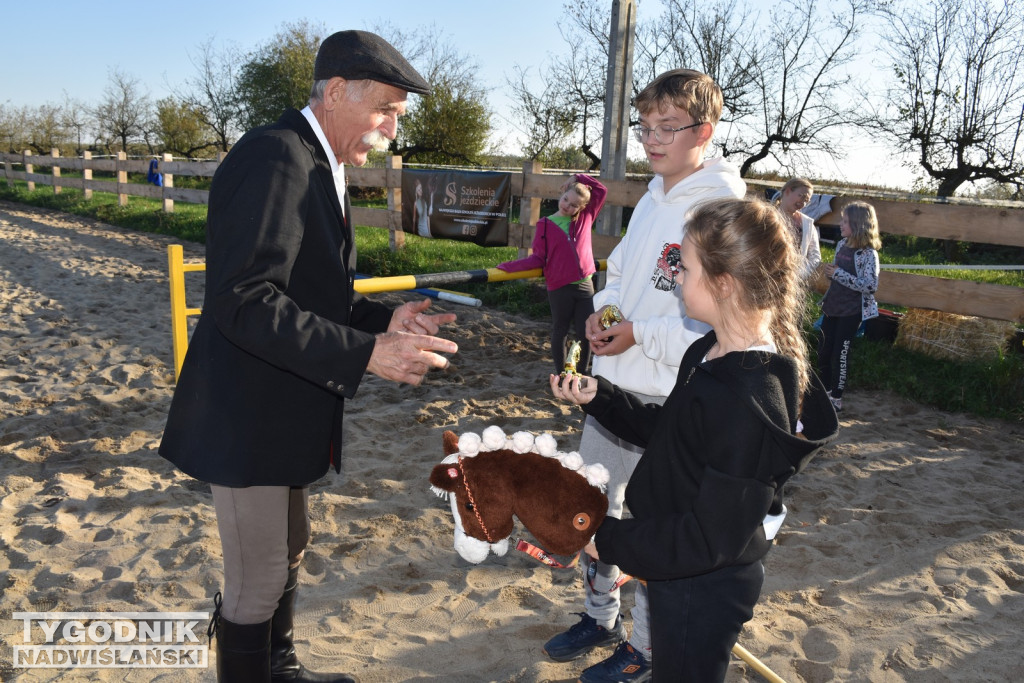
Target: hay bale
951, 336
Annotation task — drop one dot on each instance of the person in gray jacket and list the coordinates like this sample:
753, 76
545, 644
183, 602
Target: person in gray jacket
850, 299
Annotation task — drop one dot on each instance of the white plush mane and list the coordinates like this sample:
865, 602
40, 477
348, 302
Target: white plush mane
494, 439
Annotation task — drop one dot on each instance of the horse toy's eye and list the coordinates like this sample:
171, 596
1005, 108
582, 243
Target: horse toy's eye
582, 521
469, 506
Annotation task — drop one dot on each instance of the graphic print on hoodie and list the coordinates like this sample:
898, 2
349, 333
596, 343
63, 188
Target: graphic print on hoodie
664, 277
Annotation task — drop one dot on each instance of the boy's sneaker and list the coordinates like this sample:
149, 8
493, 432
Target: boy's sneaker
582, 638
626, 664
837, 403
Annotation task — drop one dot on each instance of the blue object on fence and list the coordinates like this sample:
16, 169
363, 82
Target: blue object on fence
153, 176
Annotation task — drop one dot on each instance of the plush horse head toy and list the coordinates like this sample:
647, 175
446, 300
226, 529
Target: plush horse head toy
488, 478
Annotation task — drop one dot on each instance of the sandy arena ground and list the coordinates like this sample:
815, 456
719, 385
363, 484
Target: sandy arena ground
902, 558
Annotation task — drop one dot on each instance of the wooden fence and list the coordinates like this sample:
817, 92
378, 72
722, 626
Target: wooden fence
1000, 225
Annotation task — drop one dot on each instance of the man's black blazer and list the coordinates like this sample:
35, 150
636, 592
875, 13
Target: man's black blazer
282, 339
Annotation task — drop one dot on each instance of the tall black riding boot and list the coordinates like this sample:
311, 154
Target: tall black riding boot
284, 663
243, 651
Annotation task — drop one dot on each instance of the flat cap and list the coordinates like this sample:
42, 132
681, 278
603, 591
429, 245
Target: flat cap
358, 55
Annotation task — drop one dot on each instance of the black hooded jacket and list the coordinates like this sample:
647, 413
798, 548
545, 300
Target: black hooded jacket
717, 454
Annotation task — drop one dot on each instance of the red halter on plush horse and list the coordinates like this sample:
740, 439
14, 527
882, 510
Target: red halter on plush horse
490, 477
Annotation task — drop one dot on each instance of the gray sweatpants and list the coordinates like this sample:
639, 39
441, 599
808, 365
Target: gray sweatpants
598, 445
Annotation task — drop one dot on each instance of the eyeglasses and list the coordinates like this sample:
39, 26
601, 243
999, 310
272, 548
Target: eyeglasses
664, 134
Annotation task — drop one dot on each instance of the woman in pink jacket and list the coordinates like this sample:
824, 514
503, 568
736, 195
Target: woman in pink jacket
562, 248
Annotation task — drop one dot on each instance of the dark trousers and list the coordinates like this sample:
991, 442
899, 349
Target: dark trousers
571, 305
837, 333
696, 621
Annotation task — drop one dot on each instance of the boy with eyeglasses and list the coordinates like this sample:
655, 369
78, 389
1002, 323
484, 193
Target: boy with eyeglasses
678, 114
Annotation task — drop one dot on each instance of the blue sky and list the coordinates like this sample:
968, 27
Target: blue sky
71, 47
76, 46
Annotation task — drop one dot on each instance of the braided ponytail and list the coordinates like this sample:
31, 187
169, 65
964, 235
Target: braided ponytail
749, 240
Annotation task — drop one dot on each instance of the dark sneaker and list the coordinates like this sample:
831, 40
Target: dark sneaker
625, 664
582, 638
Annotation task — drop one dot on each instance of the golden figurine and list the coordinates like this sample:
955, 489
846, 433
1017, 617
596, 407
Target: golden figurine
572, 358
610, 316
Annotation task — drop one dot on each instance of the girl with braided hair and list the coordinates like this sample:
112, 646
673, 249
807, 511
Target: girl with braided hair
746, 414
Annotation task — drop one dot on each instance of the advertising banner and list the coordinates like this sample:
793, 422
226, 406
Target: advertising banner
471, 206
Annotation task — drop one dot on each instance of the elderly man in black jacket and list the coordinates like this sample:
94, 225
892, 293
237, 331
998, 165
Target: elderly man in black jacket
283, 340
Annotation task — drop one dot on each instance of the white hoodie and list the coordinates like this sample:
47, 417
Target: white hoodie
641, 280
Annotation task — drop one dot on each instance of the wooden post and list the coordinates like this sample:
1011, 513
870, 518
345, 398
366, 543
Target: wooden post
529, 207
122, 179
86, 174
618, 89
393, 179
168, 184
55, 153
29, 170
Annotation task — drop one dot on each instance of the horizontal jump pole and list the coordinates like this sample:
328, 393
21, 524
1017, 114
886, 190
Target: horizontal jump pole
398, 283
440, 294
446, 295
363, 284
758, 666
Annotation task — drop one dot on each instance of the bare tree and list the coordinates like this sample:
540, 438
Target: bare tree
212, 93
549, 116
787, 90
76, 118
795, 94
585, 70
720, 39
653, 50
125, 111
568, 106
957, 98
